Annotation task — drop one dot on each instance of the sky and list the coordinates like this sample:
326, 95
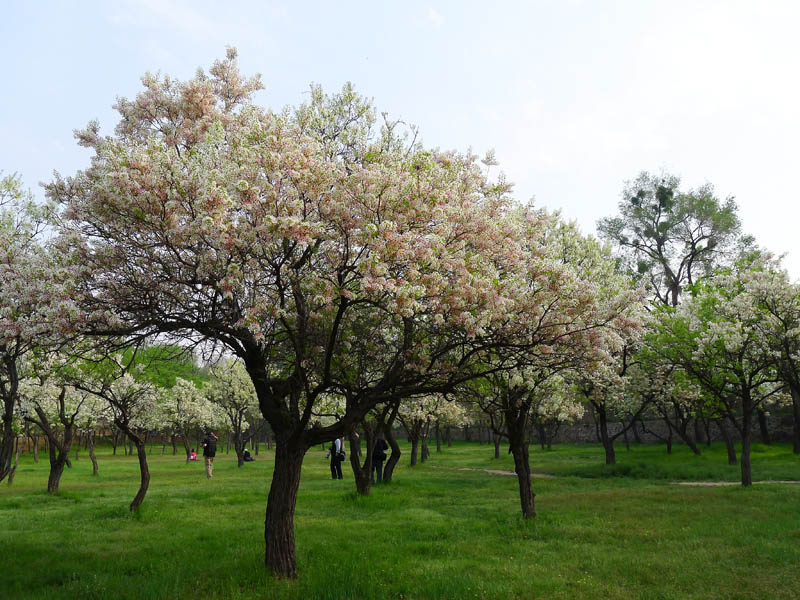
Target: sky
574, 97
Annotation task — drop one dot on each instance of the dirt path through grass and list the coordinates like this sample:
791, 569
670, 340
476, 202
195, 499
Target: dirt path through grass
722, 483
502, 472
690, 483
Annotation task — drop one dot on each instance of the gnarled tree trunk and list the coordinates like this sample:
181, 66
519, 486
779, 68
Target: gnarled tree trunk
144, 475
280, 556
394, 457
362, 473
516, 424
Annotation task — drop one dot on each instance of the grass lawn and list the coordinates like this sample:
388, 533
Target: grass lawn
437, 531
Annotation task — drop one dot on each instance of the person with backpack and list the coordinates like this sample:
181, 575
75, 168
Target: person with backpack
209, 452
337, 455
378, 456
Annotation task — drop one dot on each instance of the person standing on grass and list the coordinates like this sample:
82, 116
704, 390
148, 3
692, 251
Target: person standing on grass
336, 453
209, 452
378, 456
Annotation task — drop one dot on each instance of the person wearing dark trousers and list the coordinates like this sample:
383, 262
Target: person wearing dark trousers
378, 456
209, 452
336, 454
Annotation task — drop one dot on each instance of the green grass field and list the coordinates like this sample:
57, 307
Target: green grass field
436, 532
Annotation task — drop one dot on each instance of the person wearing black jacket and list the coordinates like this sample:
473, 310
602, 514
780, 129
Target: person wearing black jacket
209, 452
378, 456
336, 454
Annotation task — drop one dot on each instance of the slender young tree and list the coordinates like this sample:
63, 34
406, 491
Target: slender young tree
132, 401
579, 312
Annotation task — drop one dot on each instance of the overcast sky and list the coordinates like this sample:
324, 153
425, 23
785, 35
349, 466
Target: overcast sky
574, 97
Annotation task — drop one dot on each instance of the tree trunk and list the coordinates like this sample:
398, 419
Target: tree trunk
58, 460
9, 389
762, 425
279, 554
424, 452
523, 469
362, 473
607, 442
238, 447
35, 439
635, 431
438, 438
414, 448
13, 469
187, 449
796, 421
723, 429
144, 473
93, 458
698, 431
496, 441
394, 457
522, 465
707, 430
542, 435
747, 473
682, 429
7, 439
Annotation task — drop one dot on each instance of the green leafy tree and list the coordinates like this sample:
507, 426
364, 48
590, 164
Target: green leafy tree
670, 238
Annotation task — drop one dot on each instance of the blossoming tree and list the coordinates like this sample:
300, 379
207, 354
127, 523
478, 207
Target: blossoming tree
576, 312
185, 409
25, 291
778, 299
132, 402
50, 403
304, 242
717, 336
231, 391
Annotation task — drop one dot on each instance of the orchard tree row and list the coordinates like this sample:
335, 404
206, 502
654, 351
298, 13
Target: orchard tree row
344, 277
